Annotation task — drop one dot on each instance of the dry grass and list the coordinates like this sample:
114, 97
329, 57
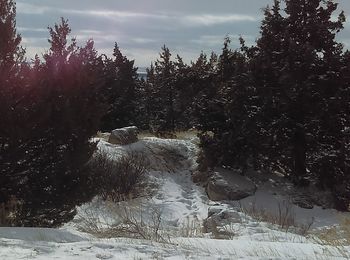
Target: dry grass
9, 211
130, 222
183, 135
191, 228
135, 221
337, 236
104, 136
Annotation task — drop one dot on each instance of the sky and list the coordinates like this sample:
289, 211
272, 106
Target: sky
142, 27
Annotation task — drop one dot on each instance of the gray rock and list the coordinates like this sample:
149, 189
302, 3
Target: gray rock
228, 185
200, 177
303, 201
218, 219
123, 136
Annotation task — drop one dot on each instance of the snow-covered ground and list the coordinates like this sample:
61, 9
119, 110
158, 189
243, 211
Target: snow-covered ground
179, 207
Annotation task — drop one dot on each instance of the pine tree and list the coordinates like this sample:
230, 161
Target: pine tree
298, 80
230, 111
120, 92
162, 117
65, 116
12, 105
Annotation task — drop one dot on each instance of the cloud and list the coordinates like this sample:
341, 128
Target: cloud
25, 8
115, 15
141, 27
208, 20
28, 29
143, 40
208, 40
33, 41
213, 41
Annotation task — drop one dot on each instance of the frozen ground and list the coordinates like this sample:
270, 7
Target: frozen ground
182, 207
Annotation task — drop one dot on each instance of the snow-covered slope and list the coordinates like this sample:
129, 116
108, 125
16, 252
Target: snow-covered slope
181, 207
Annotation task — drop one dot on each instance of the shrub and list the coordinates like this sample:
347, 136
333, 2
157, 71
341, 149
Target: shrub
138, 222
117, 179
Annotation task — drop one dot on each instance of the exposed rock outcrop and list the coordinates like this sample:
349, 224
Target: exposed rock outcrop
123, 136
229, 185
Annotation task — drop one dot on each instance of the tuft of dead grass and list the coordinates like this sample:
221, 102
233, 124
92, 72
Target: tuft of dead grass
9, 211
191, 228
337, 236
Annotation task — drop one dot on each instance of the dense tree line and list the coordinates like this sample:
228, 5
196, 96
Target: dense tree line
282, 104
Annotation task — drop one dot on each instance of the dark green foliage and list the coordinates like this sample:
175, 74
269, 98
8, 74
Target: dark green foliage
298, 81
121, 92
162, 93
284, 104
69, 113
176, 93
230, 111
51, 111
12, 92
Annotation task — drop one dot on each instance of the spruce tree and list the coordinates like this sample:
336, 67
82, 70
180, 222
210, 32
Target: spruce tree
164, 93
120, 92
64, 118
297, 66
12, 105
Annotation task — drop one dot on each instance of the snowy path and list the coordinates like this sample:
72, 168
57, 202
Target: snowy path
171, 163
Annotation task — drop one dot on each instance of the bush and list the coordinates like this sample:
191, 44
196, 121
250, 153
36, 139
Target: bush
116, 179
125, 220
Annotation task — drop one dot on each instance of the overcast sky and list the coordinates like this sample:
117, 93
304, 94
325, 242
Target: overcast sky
141, 27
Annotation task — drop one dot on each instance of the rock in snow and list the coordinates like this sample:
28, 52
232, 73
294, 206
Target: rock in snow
218, 218
200, 177
229, 185
123, 136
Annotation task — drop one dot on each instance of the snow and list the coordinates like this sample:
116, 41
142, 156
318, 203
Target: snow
182, 206
40, 234
181, 248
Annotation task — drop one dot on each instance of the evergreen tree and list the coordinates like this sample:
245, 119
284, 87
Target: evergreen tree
163, 91
230, 111
184, 94
298, 80
62, 114
12, 105
120, 92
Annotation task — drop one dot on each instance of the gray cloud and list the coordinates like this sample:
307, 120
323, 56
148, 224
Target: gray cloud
141, 27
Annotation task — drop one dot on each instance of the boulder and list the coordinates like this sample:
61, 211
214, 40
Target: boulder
123, 136
217, 221
104, 136
200, 177
303, 201
229, 185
